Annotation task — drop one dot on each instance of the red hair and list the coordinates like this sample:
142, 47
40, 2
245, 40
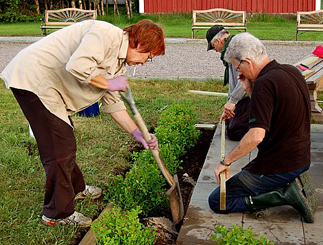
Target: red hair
148, 35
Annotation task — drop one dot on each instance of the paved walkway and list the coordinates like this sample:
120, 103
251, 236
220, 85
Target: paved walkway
282, 225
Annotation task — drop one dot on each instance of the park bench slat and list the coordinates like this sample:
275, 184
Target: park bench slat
58, 19
204, 19
309, 21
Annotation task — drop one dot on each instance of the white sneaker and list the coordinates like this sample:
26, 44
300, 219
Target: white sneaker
92, 192
76, 219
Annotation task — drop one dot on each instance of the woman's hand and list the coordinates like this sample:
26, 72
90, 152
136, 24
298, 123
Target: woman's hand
152, 144
117, 84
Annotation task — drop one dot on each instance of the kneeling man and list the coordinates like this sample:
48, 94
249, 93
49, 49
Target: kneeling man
279, 125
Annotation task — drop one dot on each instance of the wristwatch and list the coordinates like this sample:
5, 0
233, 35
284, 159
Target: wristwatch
224, 164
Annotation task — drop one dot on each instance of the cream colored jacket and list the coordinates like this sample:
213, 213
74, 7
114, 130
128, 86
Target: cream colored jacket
59, 67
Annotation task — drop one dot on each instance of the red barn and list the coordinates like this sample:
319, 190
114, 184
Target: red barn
250, 6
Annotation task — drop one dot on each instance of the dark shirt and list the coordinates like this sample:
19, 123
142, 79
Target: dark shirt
226, 77
280, 104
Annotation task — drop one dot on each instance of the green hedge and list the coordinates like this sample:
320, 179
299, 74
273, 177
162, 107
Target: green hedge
143, 184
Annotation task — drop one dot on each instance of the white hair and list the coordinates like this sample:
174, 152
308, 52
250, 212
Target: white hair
219, 35
244, 46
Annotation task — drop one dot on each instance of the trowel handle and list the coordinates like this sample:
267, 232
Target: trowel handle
143, 128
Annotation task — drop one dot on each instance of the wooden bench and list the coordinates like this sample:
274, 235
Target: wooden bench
314, 80
231, 20
57, 19
309, 21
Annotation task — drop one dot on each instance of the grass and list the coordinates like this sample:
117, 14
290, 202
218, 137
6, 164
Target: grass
264, 26
103, 151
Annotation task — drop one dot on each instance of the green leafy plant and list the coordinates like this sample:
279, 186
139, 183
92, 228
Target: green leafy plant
167, 153
176, 125
238, 235
142, 186
122, 227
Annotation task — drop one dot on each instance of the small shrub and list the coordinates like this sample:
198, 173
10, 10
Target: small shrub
12, 16
167, 154
238, 235
142, 186
122, 227
176, 126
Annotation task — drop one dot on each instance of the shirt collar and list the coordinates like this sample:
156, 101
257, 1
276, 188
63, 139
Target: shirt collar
268, 67
124, 46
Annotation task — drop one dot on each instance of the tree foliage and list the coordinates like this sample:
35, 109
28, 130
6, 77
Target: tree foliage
22, 10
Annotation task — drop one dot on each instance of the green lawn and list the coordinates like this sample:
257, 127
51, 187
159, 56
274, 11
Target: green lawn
103, 151
265, 27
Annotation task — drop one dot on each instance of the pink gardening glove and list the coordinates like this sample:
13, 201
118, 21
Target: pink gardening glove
117, 84
152, 144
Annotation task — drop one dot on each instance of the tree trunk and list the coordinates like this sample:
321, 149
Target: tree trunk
130, 8
51, 4
107, 6
90, 4
80, 4
45, 3
115, 7
102, 7
127, 8
96, 7
73, 3
37, 7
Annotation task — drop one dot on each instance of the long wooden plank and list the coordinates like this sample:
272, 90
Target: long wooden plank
308, 61
316, 77
318, 73
223, 194
207, 93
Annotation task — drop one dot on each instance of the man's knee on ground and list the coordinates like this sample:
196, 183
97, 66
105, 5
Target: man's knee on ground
214, 202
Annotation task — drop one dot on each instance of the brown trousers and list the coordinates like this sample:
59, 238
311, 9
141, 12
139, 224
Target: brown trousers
57, 149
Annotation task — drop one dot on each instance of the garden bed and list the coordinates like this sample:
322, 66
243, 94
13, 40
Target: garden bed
191, 166
192, 163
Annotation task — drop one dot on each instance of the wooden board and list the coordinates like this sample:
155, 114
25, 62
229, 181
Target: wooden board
223, 193
308, 61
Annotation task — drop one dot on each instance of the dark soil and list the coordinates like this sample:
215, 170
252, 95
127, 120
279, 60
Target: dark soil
192, 163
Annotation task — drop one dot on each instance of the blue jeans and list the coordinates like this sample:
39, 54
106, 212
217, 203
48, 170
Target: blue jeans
245, 184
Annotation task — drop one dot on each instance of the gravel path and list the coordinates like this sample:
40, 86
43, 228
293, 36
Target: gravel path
184, 58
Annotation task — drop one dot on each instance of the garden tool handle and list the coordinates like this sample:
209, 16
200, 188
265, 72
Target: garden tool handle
143, 128
127, 96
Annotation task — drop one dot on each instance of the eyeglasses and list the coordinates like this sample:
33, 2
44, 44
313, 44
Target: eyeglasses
238, 67
150, 58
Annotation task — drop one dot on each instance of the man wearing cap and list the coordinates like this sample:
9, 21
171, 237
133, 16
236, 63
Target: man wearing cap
279, 126
236, 110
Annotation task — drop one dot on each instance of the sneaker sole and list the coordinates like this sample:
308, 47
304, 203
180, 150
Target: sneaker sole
49, 223
81, 197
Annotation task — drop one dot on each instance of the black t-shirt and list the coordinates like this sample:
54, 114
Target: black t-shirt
280, 104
